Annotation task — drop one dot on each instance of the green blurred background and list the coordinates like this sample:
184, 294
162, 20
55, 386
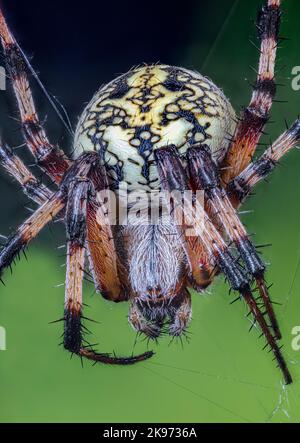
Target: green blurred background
222, 375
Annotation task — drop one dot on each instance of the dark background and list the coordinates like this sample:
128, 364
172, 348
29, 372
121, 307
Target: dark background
78, 46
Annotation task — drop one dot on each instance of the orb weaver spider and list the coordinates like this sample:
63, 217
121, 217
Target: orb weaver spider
156, 127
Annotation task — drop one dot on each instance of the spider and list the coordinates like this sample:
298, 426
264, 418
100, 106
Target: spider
154, 128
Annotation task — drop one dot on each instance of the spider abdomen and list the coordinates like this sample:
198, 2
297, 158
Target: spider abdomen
147, 108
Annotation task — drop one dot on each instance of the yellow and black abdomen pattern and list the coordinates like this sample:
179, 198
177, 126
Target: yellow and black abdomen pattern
147, 108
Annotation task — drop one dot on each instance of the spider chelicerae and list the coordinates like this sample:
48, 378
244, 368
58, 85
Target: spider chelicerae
154, 128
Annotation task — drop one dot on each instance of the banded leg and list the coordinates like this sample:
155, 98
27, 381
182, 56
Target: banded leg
79, 189
51, 159
173, 177
205, 175
240, 187
45, 213
75, 224
30, 229
15, 167
255, 116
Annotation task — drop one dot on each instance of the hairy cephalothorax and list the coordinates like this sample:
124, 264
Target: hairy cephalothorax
155, 129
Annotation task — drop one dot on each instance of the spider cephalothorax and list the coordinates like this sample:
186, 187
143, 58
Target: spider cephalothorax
155, 129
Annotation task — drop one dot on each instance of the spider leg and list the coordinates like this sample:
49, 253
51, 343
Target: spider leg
15, 167
50, 158
202, 272
205, 175
75, 215
255, 116
43, 215
80, 186
241, 186
109, 276
30, 229
173, 177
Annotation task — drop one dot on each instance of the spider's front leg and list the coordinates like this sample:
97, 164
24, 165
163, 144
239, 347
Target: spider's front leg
50, 158
14, 166
242, 185
53, 204
80, 181
74, 190
173, 178
255, 116
205, 176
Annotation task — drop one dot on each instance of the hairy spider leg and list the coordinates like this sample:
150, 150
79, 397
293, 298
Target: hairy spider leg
152, 329
241, 186
254, 117
80, 186
108, 272
75, 191
14, 166
30, 229
173, 177
75, 230
50, 158
205, 176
